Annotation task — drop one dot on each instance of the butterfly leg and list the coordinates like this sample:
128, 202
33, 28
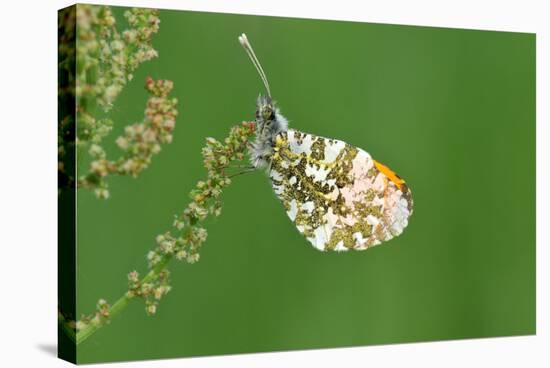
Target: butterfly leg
250, 169
241, 167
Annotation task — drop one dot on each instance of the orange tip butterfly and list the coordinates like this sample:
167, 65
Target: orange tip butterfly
336, 194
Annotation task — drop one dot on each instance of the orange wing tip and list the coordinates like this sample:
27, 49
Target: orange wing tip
400, 183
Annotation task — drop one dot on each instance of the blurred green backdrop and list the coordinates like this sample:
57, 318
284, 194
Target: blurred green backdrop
452, 111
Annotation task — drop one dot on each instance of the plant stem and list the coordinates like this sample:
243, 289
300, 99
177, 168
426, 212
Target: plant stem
122, 302
184, 246
65, 326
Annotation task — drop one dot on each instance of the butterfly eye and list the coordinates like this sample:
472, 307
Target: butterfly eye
267, 114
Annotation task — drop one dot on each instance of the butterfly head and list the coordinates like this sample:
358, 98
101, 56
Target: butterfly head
269, 119
265, 110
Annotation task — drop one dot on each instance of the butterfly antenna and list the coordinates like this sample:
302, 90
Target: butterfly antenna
248, 48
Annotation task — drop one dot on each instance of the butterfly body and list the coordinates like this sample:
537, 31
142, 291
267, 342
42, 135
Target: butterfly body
269, 123
336, 194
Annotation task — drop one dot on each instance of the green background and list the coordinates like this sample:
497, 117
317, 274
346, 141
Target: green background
452, 111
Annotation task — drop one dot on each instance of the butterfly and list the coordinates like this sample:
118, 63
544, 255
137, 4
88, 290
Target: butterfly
336, 194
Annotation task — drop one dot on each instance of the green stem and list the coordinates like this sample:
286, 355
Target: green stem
238, 140
65, 326
122, 302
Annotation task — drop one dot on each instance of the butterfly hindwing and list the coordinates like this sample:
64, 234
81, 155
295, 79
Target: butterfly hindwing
338, 197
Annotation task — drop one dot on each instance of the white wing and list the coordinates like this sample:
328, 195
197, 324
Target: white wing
338, 197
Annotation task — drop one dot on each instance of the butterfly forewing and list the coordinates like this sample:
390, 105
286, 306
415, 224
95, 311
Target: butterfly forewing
338, 197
